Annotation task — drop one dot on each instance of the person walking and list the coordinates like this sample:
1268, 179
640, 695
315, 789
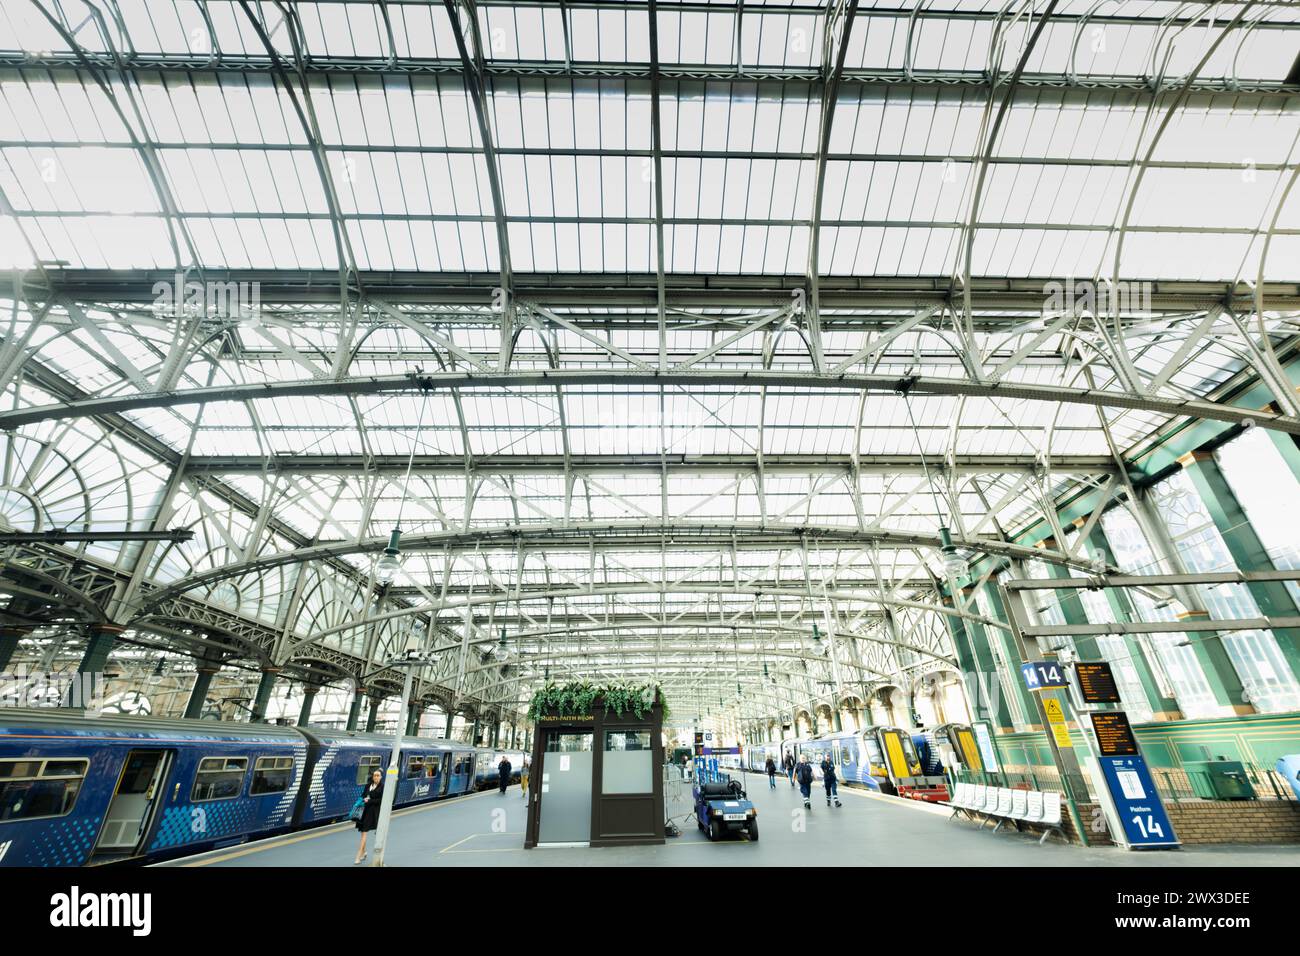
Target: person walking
503, 774
371, 797
804, 774
523, 778
788, 761
829, 781
771, 773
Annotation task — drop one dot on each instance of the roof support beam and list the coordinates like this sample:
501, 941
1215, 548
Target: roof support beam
477, 81
544, 378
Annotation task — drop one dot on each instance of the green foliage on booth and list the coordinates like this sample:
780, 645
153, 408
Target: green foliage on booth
577, 698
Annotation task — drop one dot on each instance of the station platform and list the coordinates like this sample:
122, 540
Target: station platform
486, 829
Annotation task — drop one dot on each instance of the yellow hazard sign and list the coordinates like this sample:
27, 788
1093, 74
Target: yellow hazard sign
1052, 707
1062, 735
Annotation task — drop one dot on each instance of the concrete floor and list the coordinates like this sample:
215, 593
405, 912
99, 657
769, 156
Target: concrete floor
869, 830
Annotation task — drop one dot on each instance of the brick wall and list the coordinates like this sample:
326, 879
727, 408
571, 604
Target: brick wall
1236, 821
1200, 822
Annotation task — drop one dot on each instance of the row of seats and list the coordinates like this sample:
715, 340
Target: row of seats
1041, 808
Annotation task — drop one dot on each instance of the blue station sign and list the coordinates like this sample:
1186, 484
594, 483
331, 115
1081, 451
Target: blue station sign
1044, 675
1137, 803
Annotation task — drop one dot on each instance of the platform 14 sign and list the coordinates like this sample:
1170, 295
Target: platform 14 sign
1043, 675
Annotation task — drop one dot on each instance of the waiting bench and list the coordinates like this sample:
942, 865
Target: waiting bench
1004, 805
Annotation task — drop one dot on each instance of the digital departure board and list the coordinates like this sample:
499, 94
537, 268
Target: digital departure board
1114, 735
1097, 682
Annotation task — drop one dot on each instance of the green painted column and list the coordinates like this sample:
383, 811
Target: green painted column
1247, 550
978, 667
89, 685
1211, 655
354, 712
1008, 653
473, 734
263, 696
101, 639
1070, 603
9, 638
372, 716
1288, 445
308, 698
199, 692
413, 714
1162, 707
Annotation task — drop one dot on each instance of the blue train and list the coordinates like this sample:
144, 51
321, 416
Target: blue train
78, 790
885, 759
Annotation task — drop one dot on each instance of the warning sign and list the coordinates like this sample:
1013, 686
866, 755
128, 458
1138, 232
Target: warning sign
1052, 706
1062, 735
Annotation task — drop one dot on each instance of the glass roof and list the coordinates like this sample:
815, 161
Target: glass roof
747, 190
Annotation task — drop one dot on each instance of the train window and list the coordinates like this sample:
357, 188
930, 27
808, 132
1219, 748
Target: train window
137, 775
271, 775
32, 788
219, 778
414, 767
366, 766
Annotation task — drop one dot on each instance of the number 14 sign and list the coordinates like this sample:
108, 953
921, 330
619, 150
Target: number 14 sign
1137, 803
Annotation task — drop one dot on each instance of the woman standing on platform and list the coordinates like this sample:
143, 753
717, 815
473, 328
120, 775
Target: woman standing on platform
771, 773
371, 797
523, 778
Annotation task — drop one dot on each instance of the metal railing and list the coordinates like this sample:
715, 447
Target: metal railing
1263, 783
1173, 784
679, 801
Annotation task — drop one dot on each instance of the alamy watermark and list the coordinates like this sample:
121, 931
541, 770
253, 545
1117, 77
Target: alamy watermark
182, 297
22, 687
1090, 297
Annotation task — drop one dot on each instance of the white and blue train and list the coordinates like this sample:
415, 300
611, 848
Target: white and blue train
77, 790
884, 759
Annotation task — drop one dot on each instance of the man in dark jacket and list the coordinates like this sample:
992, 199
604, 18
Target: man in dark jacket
503, 773
804, 774
771, 773
829, 781
789, 767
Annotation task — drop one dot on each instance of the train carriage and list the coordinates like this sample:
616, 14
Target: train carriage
78, 790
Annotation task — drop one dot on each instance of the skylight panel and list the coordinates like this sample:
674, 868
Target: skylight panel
584, 34
29, 29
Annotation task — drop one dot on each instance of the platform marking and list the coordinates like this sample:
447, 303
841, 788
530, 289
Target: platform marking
935, 808
466, 839
274, 843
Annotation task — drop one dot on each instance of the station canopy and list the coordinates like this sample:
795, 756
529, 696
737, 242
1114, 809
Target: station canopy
664, 331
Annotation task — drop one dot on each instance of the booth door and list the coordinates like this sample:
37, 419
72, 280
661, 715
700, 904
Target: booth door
565, 804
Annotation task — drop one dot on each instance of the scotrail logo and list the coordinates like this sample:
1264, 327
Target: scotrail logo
76, 909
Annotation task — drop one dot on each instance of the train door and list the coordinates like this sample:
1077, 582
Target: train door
444, 775
140, 788
967, 749
895, 757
